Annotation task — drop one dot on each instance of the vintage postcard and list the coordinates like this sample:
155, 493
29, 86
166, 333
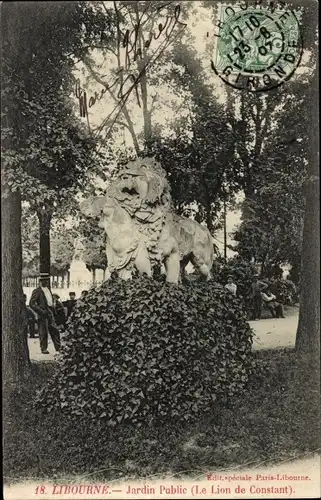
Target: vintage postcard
160, 249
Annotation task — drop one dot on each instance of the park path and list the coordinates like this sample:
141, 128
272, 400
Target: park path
268, 334
275, 333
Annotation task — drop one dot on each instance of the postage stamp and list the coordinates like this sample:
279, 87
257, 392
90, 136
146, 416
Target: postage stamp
257, 48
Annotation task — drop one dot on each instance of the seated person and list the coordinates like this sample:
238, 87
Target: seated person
58, 311
230, 285
275, 308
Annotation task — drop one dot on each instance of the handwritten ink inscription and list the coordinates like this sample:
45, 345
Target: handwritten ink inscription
134, 47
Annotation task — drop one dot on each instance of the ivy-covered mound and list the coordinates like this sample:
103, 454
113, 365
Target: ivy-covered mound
142, 350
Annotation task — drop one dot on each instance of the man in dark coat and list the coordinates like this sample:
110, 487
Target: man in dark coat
42, 303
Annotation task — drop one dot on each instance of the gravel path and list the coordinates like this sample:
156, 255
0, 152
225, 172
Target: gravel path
274, 333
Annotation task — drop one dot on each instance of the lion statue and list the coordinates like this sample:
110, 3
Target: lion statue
142, 228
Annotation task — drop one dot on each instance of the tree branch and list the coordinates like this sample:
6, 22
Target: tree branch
123, 124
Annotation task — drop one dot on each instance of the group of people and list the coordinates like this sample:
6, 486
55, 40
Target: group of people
49, 313
260, 294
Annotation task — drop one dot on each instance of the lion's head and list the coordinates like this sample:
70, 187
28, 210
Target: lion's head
140, 185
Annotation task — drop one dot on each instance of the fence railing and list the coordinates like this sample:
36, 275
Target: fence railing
60, 284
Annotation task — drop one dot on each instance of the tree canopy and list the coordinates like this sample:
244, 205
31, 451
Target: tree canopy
49, 150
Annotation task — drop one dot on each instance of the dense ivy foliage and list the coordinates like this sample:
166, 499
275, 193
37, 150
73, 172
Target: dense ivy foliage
141, 350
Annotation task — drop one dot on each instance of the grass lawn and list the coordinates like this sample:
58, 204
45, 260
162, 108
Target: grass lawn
277, 419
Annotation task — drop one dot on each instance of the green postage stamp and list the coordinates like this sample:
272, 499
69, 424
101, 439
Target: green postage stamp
257, 47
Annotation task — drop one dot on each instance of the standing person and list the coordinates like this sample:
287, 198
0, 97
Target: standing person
275, 308
70, 304
59, 311
230, 285
83, 294
42, 302
256, 288
31, 319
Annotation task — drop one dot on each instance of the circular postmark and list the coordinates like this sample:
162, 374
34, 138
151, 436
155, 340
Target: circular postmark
257, 48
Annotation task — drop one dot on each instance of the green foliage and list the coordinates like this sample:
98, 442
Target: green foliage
47, 150
271, 134
243, 273
272, 226
94, 254
30, 242
199, 156
240, 269
61, 250
284, 290
294, 273
61, 245
141, 350
54, 157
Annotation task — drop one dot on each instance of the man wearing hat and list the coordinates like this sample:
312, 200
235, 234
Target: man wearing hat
42, 302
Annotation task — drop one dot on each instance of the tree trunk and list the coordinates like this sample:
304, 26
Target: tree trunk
225, 232
208, 208
308, 333
44, 217
146, 112
94, 275
247, 202
15, 353
16, 361
141, 63
209, 218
